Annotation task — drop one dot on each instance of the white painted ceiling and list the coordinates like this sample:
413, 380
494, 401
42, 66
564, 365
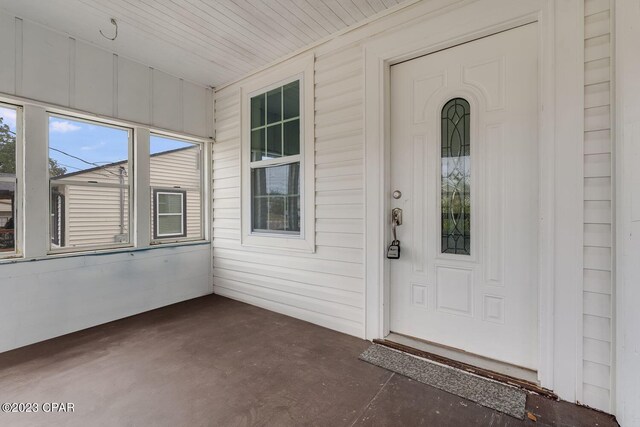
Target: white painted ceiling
210, 42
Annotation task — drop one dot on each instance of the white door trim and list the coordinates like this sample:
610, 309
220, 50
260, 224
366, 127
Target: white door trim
561, 105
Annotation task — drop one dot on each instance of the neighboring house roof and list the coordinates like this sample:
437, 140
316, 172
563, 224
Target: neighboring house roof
122, 162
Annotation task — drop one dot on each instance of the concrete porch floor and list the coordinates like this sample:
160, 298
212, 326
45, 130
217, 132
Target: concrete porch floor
217, 362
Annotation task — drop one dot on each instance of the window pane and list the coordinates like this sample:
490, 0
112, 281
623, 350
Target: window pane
292, 137
7, 141
169, 225
169, 203
276, 198
7, 216
274, 141
456, 177
274, 106
176, 167
85, 215
88, 151
257, 111
257, 144
291, 100
7, 179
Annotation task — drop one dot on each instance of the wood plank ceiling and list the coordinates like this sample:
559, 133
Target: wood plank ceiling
210, 42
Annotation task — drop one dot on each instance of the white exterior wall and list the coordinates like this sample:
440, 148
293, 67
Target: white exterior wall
46, 296
326, 287
627, 210
598, 237
48, 66
314, 287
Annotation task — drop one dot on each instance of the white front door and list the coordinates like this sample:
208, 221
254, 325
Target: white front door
464, 171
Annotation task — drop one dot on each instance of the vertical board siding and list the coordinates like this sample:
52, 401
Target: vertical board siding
598, 229
82, 76
325, 287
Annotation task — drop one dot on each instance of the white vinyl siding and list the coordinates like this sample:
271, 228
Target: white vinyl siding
179, 168
325, 287
83, 227
598, 234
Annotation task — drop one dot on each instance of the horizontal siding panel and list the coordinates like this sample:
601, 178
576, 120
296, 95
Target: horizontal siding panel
597, 142
226, 193
338, 285
340, 225
597, 71
298, 263
596, 374
338, 142
340, 211
352, 67
597, 304
596, 397
349, 299
226, 203
232, 161
598, 235
597, 212
591, 7
597, 258
227, 223
597, 281
597, 328
597, 95
597, 351
597, 189
597, 48
346, 153
596, 24
226, 213
338, 183
597, 118
347, 98
339, 311
337, 58
343, 255
329, 90
328, 321
597, 165
349, 167
222, 173
226, 183
224, 233
340, 240
346, 197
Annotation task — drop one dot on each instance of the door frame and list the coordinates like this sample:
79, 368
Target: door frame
561, 100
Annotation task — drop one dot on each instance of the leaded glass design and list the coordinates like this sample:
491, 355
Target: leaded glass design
456, 177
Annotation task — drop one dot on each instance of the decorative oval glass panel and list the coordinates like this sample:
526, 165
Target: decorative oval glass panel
456, 177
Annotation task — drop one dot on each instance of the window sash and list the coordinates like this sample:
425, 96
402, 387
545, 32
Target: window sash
157, 214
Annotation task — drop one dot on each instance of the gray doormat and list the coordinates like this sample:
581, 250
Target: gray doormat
492, 394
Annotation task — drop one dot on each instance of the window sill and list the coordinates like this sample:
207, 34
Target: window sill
97, 252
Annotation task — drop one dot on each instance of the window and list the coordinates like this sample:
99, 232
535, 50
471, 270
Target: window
275, 160
456, 177
176, 188
90, 184
8, 179
171, 213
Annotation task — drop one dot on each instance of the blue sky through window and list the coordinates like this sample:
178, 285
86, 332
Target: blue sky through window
78, 145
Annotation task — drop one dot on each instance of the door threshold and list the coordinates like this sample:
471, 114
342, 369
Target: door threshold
470, 363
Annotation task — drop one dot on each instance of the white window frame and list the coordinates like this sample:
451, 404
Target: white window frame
75, 182
18, 181
203, 190
157, 213
298, 69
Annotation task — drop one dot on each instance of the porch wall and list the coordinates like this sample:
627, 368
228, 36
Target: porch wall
598, 237
326, 287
